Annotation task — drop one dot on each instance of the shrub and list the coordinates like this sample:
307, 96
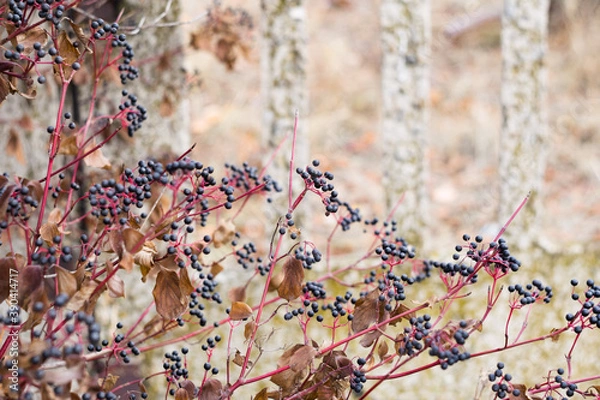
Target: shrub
173, 225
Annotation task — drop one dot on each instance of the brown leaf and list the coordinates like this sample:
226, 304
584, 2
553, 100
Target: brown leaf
224, 233
48, 231
116, 287
189, 387
81, 36
293, 276
216, 268
382, 350
262, 395
31, 279
182, 394
67, 283
186, 284
36, 190
211, 390
109, 382
115, 239
96, 158
126, 262
302, 358
14, 147
248, 329
85, 298
30, 36
8, 269
5, 88
133, 240
68, 52
237, 293
170, 301
523, 392
401, 309
366, 311
275, 281
55, 216
240, 311
4, 198
555, 336
68, 146
145, 257
238, 359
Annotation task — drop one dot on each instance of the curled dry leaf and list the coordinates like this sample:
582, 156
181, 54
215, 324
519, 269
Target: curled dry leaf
145, 257
240, 311
14, 147
298, 357
186, 284
126, 262
67, 282
182, 394
189, 387
31, 36
402, 309
237, 293
216, 268
132, 239
369, 310
68, 146
224, 233
31, 280
211, 390
302, 358
68, 52
239, 359
522, 392
81, 36
382, 350
48, 231
86, 297
170, 301
96, 158
293, 277
109, 382
248, 329
116, 286
275, 281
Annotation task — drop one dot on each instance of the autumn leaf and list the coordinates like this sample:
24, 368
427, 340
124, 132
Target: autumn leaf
249, 329
145, 257
68, 146
186, 284
67, 282
170, 301
302, 358
132, 239
211, 390
31, 36
31, 279
365, 311
382, 350
293, 276
240, 311
14, 147
68, 52
81, 36
237, 293
224, 233
96, 159
116, 287
216, 268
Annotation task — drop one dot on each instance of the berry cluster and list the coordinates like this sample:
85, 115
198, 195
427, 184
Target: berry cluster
501, 385
531, 293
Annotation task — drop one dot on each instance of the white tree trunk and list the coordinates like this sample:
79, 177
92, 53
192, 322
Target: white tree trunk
283, 67
523, 137
406, 41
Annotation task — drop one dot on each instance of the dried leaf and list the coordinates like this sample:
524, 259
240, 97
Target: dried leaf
67, 282
8, 269
248, 329
366, 311
116, 287
240, 311
555, 336
14, 147
85, 298
132, 239
36, 189
275, 281
382, 350
523, 392
238, 359
262, 395
211, 390
48, 231
293, 276
109, 382
55, 216
302, 358
189, 387
68, 52
237, 293
68, 146
216, 268
145, 257
30, 36
170, 301
96, 158
401, 309
31, 279
186, 284
126, 262
81, 36
63, 374
153, 326
5, 197
224, 233
182, 394
5, 88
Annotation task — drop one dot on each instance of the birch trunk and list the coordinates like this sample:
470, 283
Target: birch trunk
523, 137
283, 67
406, 42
